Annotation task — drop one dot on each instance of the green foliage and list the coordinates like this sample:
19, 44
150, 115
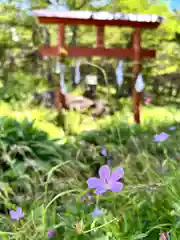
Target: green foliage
50, 191
23, 141
16, 81
47, 178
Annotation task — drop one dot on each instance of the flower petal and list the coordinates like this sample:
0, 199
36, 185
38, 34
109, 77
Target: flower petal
19, 212
103, 152
96, 212
117, 174
94, 182
116, 187
89, 196
161, 137
148, 100
104, 173
110, 160
83, 199
22, 215
172, 128
156, 138
13, 215
51, 233
164, 136
162, 236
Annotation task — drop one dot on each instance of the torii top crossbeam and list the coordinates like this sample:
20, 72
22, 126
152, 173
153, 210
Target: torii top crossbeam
98, 18
101, 19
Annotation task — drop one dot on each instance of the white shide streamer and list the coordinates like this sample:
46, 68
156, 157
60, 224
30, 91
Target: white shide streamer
119, 73
139, 86
77, 72
58, 67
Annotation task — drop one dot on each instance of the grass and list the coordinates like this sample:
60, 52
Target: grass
48, 178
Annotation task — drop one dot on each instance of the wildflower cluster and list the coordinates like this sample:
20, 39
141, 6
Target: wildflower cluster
108, 180
163, 136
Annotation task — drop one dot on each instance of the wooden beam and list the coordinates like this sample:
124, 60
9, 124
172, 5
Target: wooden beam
97, 22
100, 37
106, 52
49, 51
61, 36
148, 53
136, 70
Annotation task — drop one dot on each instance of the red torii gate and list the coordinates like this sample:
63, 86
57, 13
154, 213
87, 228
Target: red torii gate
100, 20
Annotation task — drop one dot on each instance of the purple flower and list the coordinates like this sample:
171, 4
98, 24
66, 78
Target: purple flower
162, 236
148, 100
172, 128
106, 180
109, 162
161, 137
83, 199
51, 233
16, 215
103, 152
96, 212
89, 196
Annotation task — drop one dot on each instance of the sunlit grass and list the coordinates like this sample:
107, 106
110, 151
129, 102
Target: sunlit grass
56, 177
44, 118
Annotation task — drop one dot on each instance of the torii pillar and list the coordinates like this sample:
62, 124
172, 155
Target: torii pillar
60, 97
136, 45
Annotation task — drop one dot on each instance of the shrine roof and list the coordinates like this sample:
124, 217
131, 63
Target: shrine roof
98, 18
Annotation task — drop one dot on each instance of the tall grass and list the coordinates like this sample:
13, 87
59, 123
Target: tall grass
48, 179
